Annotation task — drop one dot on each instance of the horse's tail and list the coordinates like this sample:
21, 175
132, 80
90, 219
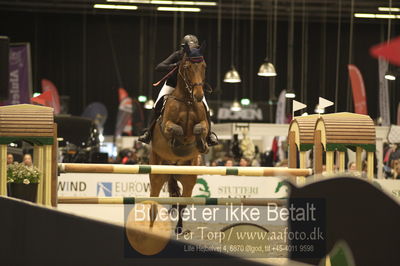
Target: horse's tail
173, 188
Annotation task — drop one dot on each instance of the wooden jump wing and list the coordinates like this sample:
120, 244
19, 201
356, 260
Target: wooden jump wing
345, 130
303, 128
32, 123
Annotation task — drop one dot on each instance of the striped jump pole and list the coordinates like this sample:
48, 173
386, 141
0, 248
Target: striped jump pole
181, 170
173, 200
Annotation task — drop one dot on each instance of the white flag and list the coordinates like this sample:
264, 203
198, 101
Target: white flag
323, 103
298, 105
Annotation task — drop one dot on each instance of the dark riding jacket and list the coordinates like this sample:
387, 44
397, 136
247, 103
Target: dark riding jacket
169, 64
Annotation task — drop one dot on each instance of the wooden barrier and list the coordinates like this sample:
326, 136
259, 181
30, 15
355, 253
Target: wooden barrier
181, 170
33, 124
173, 200
341, 131
329, 133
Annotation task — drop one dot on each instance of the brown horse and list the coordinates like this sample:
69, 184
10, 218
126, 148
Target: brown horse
179, 134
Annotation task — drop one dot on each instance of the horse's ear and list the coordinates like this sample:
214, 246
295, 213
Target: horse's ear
203, 47
186, 48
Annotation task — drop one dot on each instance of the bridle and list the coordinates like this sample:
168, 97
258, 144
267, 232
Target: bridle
188, 84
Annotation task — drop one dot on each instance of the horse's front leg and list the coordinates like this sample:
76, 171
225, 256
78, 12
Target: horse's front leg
188, 182
172, 130
200, 130
156, 184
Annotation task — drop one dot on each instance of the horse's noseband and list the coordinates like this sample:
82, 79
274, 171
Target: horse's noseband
195, 59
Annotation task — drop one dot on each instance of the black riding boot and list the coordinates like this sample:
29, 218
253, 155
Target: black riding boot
211, 138
146, 137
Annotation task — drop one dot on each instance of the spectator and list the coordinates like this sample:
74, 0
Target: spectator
133, 159
10, 158
229, 162
352, 167
244, 162
200, 160
364, 166
27, 160
127, 157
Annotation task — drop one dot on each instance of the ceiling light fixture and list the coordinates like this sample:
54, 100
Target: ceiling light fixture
390, 76
290, 94
149, 104
166, 2
389, 9
232, 76
290, 91
124, 7
236, 107
142, 98
267, 69
179, 9
371, 15
245, 101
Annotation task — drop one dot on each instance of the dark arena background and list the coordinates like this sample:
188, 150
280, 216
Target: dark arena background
199, 132
89, 53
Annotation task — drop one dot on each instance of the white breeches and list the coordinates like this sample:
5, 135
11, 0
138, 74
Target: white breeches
168, 90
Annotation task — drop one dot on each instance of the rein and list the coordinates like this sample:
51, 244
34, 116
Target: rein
165, 77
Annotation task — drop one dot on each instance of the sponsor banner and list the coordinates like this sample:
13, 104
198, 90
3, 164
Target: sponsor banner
126, 185
390, 186
254, 112
384, 103
388, 50
20, 88
257, 111
358, 88
47, 85
124, 116
280, 117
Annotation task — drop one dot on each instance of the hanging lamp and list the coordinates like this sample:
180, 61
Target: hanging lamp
267, 69
235, 107
232, 76
149, 104
290, 91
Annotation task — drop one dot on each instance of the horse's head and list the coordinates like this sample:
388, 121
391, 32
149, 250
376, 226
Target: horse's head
192, 70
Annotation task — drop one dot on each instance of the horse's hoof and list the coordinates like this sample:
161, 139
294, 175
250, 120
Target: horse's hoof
198, 129
178, 230
177, 131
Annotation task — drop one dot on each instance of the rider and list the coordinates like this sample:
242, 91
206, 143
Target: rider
166, 66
